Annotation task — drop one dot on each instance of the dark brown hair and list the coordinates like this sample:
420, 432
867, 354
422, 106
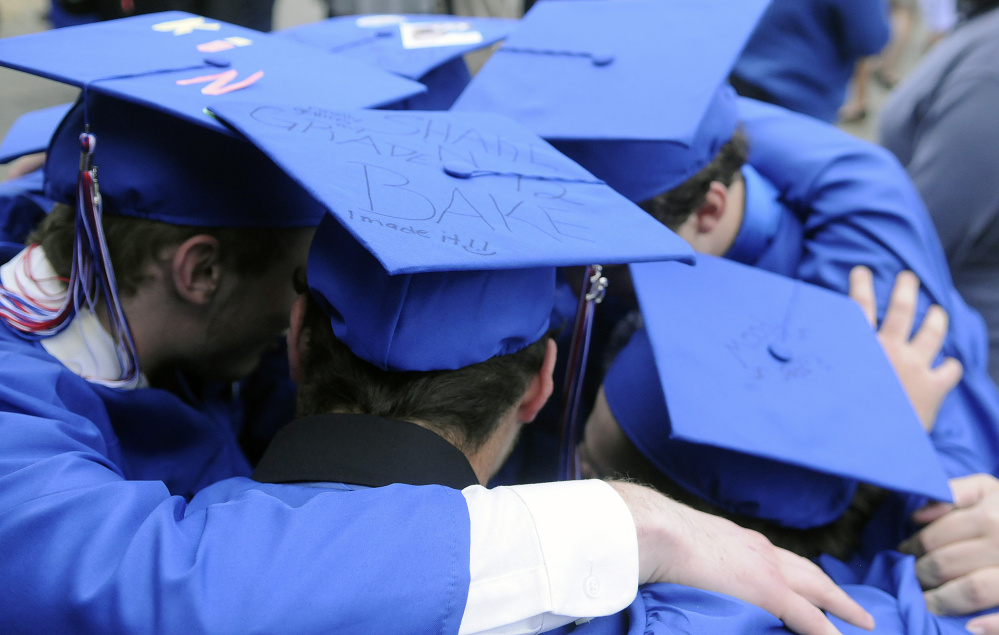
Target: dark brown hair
134, 242
674, 207
464, 405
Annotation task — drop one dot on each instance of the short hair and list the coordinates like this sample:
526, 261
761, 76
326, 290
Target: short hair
463, 405
134, 242
674, 207
840, 538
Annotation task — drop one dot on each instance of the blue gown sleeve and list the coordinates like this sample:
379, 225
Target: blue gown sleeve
86, 550
888, 589
858, 206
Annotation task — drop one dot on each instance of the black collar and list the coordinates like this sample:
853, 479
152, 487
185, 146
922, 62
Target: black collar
362, 450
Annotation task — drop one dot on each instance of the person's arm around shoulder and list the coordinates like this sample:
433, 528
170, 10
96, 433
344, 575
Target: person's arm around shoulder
680, 545
595, 541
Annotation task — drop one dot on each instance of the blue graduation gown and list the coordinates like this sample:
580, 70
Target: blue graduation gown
97, 533
889, 591
828, 201
802, 53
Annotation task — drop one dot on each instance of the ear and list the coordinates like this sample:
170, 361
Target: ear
298, 339
707, 218
540, 388
197, 269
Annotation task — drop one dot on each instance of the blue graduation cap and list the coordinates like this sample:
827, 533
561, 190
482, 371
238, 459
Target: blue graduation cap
765, 396
31, 132
147, 80
176, 62
425, 48
445, 228
633, 90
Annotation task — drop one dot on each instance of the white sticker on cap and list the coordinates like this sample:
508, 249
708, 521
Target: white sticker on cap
430, 34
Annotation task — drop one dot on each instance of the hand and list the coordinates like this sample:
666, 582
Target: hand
681, 545
958, 551
913, 358
24, 165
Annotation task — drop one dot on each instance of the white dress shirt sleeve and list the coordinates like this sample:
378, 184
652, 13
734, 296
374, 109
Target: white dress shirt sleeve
545, 555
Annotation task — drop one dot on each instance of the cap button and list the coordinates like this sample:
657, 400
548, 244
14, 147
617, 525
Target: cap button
603, 58
220, 62
592, 586
459, 169
780, 352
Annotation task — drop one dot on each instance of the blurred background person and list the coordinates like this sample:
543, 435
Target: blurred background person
942, 124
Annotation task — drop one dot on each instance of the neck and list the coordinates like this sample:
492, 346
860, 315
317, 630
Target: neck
483, 467
489, 458
146, 347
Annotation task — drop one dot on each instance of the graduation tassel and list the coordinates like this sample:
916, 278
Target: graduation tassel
91, 278
594, 290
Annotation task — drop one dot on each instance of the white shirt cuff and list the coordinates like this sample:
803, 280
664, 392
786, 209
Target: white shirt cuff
545, 555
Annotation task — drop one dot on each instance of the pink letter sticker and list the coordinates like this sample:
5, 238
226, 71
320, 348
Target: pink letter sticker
220, 82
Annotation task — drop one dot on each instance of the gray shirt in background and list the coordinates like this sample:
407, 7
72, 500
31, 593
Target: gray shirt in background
942, 123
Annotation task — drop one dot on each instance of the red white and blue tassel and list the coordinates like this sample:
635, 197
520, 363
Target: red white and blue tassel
91, 278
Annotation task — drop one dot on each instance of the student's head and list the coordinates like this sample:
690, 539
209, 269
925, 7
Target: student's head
607, 451
694, 186
624, 98
226, 291
706, 210
465, 354
762, 399
147, 84
802, 510
479, 408
203, 233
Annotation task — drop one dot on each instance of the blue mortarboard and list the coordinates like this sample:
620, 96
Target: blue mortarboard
147, 80
448, 227
633, 90
778, 397
177, 62
425, 48
31, 132
162, 168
